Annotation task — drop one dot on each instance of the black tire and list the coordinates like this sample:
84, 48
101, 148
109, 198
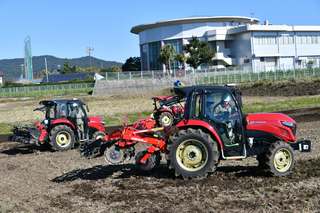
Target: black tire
98, 134
165, 119
279, 159
61, 138
192, 154
150, 163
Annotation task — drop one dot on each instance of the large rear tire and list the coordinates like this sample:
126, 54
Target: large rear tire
61, 138
192, 154
165, 119
279, 159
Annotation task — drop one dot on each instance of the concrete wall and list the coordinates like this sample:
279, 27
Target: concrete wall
138, 85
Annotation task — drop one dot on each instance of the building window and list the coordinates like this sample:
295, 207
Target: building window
286, 39
154, 51
259, 40
177, 44
314, 39
144, 57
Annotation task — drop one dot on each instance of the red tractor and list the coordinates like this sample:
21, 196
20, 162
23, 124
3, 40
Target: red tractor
213, 129
65, 123
167, 110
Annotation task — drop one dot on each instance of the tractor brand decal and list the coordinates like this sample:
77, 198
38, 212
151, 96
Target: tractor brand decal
257, 122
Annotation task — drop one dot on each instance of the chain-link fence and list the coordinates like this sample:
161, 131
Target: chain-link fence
205, 76
239, 76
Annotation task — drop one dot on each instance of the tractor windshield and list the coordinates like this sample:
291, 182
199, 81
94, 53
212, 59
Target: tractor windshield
223, 112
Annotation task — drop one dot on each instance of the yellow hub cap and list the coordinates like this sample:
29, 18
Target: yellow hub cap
99, 136
282, 160
192, 155
63, 138
166, 120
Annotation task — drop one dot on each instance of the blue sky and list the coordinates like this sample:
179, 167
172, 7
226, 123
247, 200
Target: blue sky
62, 28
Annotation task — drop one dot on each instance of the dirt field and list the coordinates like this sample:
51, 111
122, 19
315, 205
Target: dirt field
33, 179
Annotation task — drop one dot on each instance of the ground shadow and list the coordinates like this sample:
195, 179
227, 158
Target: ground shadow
124, 171
27, 149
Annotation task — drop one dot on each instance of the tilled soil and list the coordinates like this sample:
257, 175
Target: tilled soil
35, 179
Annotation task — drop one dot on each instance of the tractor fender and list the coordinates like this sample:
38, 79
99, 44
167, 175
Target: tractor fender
199, 124
166, 110
57, 122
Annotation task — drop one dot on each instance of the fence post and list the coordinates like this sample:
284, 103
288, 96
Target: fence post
118, 76
141, 74
106, 76
130, 75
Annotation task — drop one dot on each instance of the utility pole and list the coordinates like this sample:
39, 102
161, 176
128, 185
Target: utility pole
45, 62
89, 50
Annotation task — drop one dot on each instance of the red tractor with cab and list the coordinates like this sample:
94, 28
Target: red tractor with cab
167, 110
65, 123
212, 129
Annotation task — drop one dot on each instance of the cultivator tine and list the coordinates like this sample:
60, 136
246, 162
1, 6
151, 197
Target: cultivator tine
90, 149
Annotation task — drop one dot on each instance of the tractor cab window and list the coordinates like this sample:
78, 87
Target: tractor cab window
196, 102
77, 115
222, 111
51, 112
63, 110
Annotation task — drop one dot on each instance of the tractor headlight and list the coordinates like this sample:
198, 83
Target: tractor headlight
46, 122
287, 124
102, 122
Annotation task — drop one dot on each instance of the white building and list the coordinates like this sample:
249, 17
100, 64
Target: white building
238, 41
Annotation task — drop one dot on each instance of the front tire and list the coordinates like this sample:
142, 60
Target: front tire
192, 154
165, 119
61, 138
279, 159
98, 134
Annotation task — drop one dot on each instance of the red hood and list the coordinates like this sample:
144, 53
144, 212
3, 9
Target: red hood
272, 123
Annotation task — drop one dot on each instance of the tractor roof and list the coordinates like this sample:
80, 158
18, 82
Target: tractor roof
56, 101
186, 90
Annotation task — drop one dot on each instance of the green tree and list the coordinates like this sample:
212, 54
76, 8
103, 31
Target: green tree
43, 73
181, 58
111, 69
132, 64
68, 69
199, 52
166, 55
93, 69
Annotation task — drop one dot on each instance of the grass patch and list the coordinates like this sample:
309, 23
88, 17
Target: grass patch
281, 105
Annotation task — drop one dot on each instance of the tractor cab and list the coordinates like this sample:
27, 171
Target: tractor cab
70, 112
217, 109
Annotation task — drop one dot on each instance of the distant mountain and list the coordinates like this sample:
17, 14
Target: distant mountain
12, 67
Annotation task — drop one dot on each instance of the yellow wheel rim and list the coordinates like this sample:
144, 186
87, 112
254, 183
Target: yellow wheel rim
192, 155
99, 136
63, 138
166, 120
282, 160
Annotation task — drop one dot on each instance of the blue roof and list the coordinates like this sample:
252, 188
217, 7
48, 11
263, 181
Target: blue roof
67, 77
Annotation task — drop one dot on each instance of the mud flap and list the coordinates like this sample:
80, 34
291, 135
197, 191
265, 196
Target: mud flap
302, 145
